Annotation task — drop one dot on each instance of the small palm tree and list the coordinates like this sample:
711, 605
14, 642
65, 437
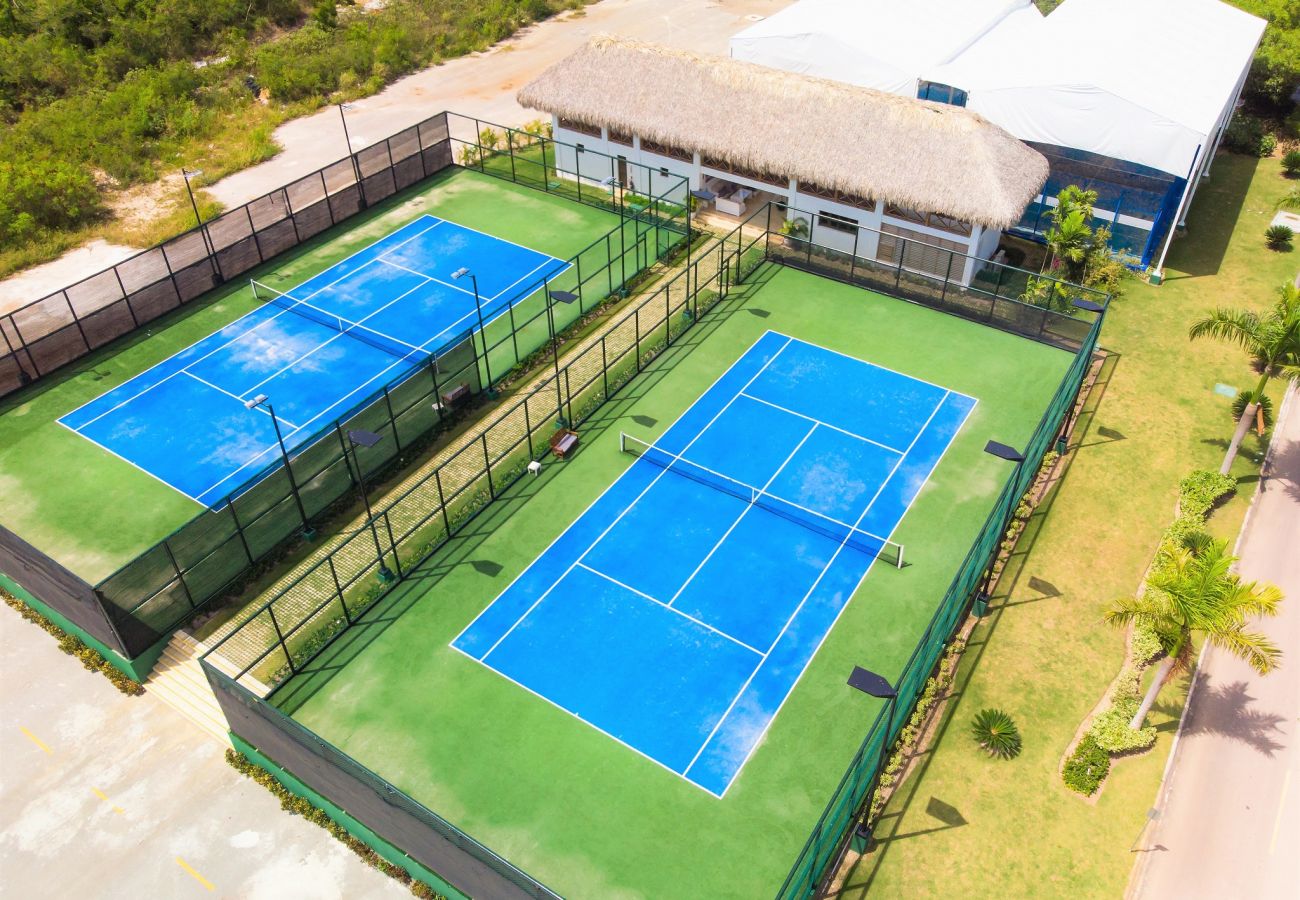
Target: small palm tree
995, 731
1272, 340
1278, 237
1197, 591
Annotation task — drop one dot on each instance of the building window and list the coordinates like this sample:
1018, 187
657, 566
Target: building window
667, 150
921, 253
837, 223
580, 127
730, 168
940, 93
620, 137
931, 220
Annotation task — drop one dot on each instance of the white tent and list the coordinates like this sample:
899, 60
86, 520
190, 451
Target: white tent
882, 44
1146, 81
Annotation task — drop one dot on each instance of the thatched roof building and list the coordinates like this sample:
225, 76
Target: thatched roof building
913, 153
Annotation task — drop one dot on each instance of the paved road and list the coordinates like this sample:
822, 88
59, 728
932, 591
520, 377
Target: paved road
104, 796
1229, 825
482, 84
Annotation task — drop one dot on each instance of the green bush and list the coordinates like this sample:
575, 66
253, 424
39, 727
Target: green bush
1201, 491
1250, 136
72, 645
292, 803
1145, 644
1110, 729
1086, 768
995, 731
1278, 237
1291, 163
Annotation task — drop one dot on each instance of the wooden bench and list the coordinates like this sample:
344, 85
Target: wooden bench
453, 396
564, 442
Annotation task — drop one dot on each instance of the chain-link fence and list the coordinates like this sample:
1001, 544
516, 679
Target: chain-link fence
278, 639
51, 332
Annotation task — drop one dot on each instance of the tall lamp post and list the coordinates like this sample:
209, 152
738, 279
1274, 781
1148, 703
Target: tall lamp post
558, 297
187, 174
358, 437
463, 272
1010, 454
356, 172
261, 400
874, 685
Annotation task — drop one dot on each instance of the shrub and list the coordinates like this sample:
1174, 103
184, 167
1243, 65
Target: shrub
1086, 768
1146, 644
1291, 163
72, 645
1278, 237
996, 732
1110, 729
1290, 200
1200, 492
292, 803
1249, 135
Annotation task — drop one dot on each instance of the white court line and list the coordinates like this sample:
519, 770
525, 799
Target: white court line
877, 365
112, 452
598, 498
629, 507
831, 627
341, 334
843, 431
702, 624
250, 330
618, 740
234, 396
744, 512
530, 272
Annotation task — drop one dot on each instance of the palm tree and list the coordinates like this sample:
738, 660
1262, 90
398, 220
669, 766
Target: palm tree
1197, 591
1272, 340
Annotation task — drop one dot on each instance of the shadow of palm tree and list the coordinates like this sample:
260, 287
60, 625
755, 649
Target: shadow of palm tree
1284, 470
1226, 710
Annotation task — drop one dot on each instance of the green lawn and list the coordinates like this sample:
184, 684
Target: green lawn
91, 510
559, 799
1044, 654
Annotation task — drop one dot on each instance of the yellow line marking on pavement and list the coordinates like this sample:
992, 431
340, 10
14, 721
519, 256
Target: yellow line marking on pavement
195, 875
102, 796
1281, 808
35, 740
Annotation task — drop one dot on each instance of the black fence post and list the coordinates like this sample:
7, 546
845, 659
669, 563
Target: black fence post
77, 321
902, 253
487, 466
853, 256
392, 419
279, 635
126, 298
252, 229
388, 525
239, 530
442, 502
171, 557
291, 215
338, 589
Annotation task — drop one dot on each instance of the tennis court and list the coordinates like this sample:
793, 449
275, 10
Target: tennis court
313, 350
676, 614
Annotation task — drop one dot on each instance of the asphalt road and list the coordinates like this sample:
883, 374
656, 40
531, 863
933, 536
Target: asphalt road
1228, 822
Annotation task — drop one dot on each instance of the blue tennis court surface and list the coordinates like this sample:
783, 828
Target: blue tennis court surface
316, 351
679, 610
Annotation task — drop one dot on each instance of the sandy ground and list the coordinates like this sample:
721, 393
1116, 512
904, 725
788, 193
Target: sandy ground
483, 85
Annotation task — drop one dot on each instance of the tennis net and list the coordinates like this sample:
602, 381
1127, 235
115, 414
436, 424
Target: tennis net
379, 340
865, 541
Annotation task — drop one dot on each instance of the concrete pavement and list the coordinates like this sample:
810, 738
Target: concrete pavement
481, 84
108, 796
1229, 813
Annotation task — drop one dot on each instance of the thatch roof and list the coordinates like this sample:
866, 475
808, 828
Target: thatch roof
914, 153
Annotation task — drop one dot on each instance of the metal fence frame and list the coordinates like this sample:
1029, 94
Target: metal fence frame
162, 587
738, 254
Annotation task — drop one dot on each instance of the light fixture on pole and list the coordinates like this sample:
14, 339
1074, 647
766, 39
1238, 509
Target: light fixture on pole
261, 400
187, 174
463, 272
558, 297
358, 437
873, 685
356, 172
1010, 454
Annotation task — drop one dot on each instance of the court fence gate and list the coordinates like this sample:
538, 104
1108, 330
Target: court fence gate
142, 603
256, 669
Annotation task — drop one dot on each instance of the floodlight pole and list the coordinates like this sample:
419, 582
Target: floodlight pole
356, 171
198, 219
555, 354
263, 400
478, 306
385, 573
